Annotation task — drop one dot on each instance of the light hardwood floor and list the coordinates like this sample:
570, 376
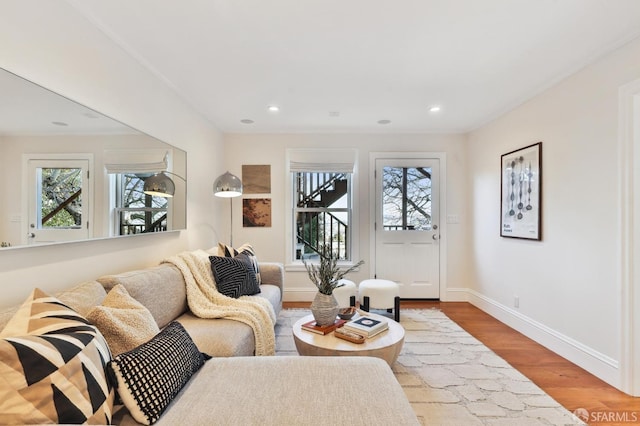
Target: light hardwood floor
570, 385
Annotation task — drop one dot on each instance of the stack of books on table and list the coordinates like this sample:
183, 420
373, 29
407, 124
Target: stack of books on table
322, 329
367, 326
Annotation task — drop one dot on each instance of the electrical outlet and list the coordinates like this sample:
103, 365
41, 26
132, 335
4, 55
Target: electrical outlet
516, 302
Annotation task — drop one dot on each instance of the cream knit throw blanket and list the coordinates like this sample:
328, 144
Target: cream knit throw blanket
205, 301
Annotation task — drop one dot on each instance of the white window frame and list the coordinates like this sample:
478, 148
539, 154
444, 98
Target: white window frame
347, 210
117, 207
124, 161
320, 157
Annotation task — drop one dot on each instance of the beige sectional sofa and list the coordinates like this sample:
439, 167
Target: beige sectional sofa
236, 388
161, 289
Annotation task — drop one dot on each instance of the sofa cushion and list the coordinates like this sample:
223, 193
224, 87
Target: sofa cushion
52, 366
123, 321
273, 295
283, 390
161, 289
234, 276
219, 337
151, 375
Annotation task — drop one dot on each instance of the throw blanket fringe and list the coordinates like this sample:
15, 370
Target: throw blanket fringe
205, 301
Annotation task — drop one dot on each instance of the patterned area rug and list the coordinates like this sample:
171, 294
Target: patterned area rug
451, 378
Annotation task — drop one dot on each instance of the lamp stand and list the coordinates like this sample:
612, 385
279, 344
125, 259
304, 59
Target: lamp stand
231, 229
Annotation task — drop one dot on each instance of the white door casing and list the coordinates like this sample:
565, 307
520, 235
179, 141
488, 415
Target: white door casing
629, 234
37, 232
407, 247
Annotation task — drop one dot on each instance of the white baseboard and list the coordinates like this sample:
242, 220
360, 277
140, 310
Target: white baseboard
455, 295
305, 294
596, 363
300, 294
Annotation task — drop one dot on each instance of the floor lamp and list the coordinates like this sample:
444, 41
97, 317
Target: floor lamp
228, 186
160, 185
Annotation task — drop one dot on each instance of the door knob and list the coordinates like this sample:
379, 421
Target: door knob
31, 235
435, 236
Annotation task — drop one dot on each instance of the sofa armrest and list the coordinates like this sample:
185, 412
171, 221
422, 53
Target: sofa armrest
272, 273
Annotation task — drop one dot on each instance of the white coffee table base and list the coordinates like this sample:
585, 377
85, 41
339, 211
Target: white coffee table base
386, 345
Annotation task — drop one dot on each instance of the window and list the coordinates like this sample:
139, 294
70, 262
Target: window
406, 198
322, 213
137, 212
60, 197
322, 190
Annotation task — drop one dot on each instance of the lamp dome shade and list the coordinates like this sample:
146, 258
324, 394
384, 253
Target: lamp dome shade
159, 185
227, 186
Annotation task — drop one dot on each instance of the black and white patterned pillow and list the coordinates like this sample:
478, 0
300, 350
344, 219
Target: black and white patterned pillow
52, 366
150, 376
234, 276
228, 251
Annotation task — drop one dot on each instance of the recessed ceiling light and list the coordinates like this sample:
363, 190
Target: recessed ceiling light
246, 121
59, 123
384, 121
435, 108
273, 108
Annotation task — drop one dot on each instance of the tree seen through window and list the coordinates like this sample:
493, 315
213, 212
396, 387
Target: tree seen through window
138, 212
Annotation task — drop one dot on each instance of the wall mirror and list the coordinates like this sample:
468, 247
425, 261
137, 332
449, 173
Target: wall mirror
69, 173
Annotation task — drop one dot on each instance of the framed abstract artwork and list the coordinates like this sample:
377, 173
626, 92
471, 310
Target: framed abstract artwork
256, 212
521, 193
256, 179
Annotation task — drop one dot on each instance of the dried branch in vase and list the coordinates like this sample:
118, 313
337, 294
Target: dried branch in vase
327, 274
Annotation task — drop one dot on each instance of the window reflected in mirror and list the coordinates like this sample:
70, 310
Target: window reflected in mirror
135, 211
52, 202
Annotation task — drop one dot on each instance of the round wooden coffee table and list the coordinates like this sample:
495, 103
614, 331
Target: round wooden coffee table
386, 345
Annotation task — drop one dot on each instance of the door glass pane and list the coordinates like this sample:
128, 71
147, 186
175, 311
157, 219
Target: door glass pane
59, 198
406, 198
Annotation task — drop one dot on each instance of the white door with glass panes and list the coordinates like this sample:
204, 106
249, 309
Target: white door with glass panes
58, 200
407, 225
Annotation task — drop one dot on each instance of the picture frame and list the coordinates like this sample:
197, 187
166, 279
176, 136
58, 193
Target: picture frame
521, 193
256, 178
256, 212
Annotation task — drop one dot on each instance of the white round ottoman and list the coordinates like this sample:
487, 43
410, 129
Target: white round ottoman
380, 294
346, 294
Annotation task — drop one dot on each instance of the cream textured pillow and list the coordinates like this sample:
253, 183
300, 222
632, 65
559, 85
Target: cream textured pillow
123, 321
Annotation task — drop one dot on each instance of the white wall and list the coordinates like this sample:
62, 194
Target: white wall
270, 243
569, 283
52, 45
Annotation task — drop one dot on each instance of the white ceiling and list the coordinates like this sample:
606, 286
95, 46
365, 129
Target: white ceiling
29, 109
362, 60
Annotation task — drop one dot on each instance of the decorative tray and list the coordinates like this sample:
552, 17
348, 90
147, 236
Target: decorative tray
349, 336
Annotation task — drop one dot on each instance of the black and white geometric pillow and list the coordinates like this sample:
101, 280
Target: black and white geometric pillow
234, 276
52, 366
150, 376
228, 251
